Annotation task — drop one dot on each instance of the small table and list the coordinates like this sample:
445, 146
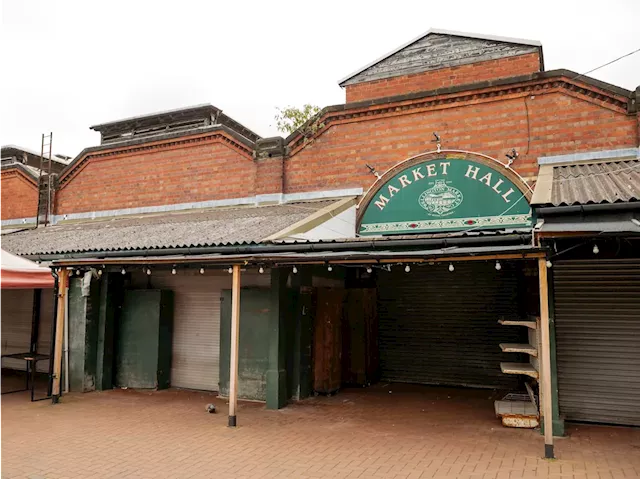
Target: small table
31, 360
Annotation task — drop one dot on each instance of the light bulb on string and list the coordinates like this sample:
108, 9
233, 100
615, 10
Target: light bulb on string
230, 270
77, 272
369, 270
451, 267
99, 272
549, 264
596, 250
201, 270
295, 270
407, 268
261, 270
173, 270
148, 271
123, 271
498, 266
329, 268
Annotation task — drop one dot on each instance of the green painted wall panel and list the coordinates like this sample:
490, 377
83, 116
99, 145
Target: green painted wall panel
83, 334
253, 353
143, 351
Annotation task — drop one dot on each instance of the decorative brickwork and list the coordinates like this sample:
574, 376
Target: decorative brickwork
191, 170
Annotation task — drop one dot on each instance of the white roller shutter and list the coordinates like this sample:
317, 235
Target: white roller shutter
17, 315
195, 362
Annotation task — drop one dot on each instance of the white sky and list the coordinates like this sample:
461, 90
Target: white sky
70, 64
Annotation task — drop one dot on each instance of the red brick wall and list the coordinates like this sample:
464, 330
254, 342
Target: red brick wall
184, 172
445, 77
19, 196
559, 123
269, 175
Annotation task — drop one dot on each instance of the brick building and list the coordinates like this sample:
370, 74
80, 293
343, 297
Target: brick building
326, 221
22, 171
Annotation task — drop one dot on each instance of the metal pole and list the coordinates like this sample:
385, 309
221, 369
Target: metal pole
235, 338
545, 360
63, 282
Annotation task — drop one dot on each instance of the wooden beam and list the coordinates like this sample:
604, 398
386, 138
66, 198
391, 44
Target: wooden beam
544, 186
545, 360
63, 281
235, 339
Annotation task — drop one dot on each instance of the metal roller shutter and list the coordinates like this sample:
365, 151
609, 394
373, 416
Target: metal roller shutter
195, 362
17, 312
597, 320
441, 327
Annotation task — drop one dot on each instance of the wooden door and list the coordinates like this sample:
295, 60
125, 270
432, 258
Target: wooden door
327, 351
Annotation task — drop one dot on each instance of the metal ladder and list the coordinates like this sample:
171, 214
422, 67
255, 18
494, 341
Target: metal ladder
45, 188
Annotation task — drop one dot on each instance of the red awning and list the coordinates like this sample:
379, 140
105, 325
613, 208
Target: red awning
20, 273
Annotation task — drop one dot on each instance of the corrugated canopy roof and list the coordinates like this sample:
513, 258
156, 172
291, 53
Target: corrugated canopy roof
220, 226
588, 183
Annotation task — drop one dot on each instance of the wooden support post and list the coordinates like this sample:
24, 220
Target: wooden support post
235, 338
63, 283
545, 360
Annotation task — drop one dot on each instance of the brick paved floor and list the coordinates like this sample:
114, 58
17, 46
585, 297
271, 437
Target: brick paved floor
409, 433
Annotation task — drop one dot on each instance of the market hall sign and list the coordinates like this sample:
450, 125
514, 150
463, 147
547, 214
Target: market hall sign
446, 194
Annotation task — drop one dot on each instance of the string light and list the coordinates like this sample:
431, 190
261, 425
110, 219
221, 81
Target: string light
329, 268
451, 267
407, 268
99, 272
123, 271
230, 270
369, 270
549, 264
77, 272
261, 270
498, 266
148, 271
596, 250
173, 270
201, 270
295, 270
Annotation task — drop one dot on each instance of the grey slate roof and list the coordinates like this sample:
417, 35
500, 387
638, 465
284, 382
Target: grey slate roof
595, 183
212, 227
438, 48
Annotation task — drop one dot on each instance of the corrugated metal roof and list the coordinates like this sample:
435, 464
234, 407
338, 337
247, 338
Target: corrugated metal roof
594, 183
213, 227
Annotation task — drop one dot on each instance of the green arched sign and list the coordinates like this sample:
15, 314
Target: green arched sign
445, 192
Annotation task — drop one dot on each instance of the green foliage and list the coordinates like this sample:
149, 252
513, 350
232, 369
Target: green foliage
292, 119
